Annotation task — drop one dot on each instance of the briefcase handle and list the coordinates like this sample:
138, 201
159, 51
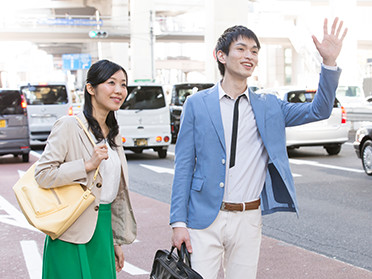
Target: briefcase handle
183, 254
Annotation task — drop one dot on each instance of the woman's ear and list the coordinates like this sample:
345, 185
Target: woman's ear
90, 88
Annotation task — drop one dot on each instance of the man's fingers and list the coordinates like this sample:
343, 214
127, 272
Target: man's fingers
325, 26
344, 34
188, 245
339, 28
334, 25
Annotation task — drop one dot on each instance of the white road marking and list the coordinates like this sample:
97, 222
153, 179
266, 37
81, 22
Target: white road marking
14, 217
316, 164
133, 270
158, 169
296, 175
32, 258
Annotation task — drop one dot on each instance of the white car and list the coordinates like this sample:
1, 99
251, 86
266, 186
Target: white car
330, 133
144, 120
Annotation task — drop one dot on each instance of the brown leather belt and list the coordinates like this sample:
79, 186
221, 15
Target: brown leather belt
226, 206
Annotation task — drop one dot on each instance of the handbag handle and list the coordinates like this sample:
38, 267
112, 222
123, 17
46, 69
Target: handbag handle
93, 143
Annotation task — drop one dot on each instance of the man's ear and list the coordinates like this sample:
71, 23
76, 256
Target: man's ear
221, 56
90, 88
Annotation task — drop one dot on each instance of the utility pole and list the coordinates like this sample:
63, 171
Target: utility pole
99, 45
152, 43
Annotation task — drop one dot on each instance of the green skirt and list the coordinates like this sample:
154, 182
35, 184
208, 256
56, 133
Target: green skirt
95, 259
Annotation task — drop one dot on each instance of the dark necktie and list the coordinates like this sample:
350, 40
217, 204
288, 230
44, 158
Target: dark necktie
234, 135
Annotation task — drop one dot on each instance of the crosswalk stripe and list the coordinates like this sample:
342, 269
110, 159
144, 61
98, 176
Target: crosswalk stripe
32, 258
158, 169
133, 270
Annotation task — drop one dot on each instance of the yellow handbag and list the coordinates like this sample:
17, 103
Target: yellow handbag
53, 210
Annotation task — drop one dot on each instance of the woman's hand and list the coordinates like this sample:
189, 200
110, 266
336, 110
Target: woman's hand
119, 258
100, 153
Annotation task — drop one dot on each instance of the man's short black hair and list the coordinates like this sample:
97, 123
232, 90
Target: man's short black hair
230, 35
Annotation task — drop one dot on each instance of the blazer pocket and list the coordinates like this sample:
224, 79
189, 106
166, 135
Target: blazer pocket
197, 184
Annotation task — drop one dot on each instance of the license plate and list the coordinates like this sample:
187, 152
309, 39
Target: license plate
141, 142
2, 123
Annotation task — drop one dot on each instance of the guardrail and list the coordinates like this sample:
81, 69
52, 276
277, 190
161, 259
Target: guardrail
356, 116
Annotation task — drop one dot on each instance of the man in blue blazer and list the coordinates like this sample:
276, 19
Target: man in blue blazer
231, 161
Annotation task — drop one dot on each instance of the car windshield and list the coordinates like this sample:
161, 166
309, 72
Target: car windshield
348, 91
182, 91
10, 102
144, 97
45, 94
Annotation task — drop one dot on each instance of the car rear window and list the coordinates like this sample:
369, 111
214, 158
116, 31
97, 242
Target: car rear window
182, 91
144, 97
305, 97
10, 102
45, 94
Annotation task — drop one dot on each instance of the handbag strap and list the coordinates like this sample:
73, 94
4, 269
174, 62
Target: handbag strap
93, 143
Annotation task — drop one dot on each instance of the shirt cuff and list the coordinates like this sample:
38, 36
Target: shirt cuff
178, 225
332, 68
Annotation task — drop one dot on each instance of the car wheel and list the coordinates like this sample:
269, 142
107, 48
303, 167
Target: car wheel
333, 149
367, 157
162, 153
26, 158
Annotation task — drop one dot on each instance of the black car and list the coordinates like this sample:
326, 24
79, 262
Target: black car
179, 94
363, 147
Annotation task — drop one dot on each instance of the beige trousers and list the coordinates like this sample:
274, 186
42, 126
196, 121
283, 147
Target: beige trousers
234, 240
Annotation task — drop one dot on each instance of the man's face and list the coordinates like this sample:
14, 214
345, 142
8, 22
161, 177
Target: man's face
242, 58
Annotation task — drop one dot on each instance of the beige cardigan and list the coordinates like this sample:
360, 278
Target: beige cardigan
62, 162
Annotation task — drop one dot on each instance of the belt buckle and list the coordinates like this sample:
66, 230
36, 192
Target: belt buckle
223, 207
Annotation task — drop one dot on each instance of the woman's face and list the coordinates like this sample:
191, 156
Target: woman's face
109, 95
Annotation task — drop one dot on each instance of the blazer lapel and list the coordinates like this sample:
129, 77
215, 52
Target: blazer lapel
258, 104
124, 165
88, 146
212, 103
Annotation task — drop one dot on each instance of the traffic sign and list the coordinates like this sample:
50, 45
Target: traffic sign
76, 61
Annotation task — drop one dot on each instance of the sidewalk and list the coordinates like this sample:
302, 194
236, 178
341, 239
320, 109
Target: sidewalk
278, 260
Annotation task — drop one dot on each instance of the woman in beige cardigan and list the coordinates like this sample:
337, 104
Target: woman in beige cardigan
91, 247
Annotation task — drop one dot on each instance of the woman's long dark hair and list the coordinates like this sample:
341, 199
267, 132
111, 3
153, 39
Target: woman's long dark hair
98, 73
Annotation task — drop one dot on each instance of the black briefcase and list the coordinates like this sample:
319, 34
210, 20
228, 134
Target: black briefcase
168, 265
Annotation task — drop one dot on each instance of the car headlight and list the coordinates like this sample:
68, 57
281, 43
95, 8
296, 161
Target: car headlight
360, 134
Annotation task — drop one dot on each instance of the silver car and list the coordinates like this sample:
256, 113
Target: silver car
14, 133
330, 133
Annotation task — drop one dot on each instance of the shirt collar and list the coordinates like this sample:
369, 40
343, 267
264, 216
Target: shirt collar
222, 93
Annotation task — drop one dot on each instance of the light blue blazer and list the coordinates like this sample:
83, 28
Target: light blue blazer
200, 151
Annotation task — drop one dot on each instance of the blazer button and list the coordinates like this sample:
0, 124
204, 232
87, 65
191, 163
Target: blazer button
96, 208
99, 185
223, 161
222, 184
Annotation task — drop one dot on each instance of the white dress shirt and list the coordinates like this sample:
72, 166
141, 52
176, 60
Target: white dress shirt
244, 181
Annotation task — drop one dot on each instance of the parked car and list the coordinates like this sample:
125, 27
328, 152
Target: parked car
350, 96
363, 147
14, 132
45, 104
330, 133
179, 94
144, 119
